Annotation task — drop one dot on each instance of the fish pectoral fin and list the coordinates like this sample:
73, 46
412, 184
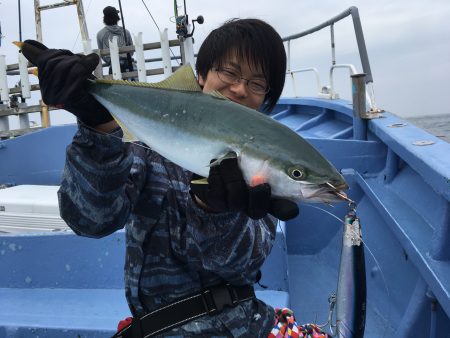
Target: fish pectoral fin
183, 79
218, 95
201, 181
127, 135
230, 154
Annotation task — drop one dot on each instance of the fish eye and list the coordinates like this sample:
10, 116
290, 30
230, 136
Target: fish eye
297, 173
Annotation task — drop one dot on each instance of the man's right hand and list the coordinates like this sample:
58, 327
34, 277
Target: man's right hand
62, 79
227, 191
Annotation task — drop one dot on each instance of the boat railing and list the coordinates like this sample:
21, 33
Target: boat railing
352, 70
13, 100
330, 92
304, 70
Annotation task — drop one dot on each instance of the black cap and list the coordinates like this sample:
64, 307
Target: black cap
111, 12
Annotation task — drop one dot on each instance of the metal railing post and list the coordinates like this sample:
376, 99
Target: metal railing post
24, 119
82, 21
98, 71
37, 16
165, 53
87, 46
187, 50
140, 60
359, 106
115, 63
45, 116
4, 121
4, 90
24, 77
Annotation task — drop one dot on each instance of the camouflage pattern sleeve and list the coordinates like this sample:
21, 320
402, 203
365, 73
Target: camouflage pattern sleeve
229, 245
97, 190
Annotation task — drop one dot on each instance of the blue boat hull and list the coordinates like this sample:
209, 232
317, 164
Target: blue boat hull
58, 285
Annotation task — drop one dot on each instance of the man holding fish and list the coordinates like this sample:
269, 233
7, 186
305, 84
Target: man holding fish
194, 246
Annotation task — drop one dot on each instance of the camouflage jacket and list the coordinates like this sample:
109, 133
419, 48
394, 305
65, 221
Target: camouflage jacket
174, 248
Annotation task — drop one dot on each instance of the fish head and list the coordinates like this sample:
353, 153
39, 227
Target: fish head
311, 181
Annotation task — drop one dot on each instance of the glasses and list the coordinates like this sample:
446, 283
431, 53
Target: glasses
230, 76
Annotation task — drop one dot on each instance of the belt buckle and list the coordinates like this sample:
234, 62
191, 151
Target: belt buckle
220, 296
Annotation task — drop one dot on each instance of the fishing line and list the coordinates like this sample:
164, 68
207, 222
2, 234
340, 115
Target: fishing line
284, 247
150, 15
76, 40
370, 252
354, 233
159, 30
113, 136
326, 211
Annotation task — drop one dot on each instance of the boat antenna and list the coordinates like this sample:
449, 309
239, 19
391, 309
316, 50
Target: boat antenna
130, 62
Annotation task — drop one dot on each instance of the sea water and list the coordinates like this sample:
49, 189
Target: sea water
438, 125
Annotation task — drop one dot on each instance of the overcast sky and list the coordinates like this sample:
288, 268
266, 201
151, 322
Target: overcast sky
408, 41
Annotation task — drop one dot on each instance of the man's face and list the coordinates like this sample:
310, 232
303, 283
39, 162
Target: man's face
238, 92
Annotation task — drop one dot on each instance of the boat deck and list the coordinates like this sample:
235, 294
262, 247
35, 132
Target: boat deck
60, 284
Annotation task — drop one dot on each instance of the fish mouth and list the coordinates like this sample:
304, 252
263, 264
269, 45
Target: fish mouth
325, 192
336, 190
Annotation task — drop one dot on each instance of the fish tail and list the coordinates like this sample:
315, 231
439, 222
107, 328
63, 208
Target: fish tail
31, 49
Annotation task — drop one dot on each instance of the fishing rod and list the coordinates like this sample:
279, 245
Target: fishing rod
182, 30
20, 22
154, 21
1, 35
182, 22
129, 60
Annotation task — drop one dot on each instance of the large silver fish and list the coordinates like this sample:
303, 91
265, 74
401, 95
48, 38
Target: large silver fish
176, 119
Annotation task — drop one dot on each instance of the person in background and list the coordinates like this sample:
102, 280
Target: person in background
106, 34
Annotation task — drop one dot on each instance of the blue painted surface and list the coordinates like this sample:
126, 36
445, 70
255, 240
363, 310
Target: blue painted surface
63, 285
36, 158
402, 191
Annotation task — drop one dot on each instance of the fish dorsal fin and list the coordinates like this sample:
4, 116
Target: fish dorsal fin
183, 79
127, 135
218, 95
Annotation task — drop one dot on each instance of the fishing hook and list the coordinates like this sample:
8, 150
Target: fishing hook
340, 195
331, 304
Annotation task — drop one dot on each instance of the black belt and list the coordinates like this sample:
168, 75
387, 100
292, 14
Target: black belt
208, 302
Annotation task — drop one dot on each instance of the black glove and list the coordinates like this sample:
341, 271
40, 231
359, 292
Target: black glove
227, 191
62, 79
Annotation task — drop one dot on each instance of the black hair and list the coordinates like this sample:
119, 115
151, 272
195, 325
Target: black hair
110, 20
253, 40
